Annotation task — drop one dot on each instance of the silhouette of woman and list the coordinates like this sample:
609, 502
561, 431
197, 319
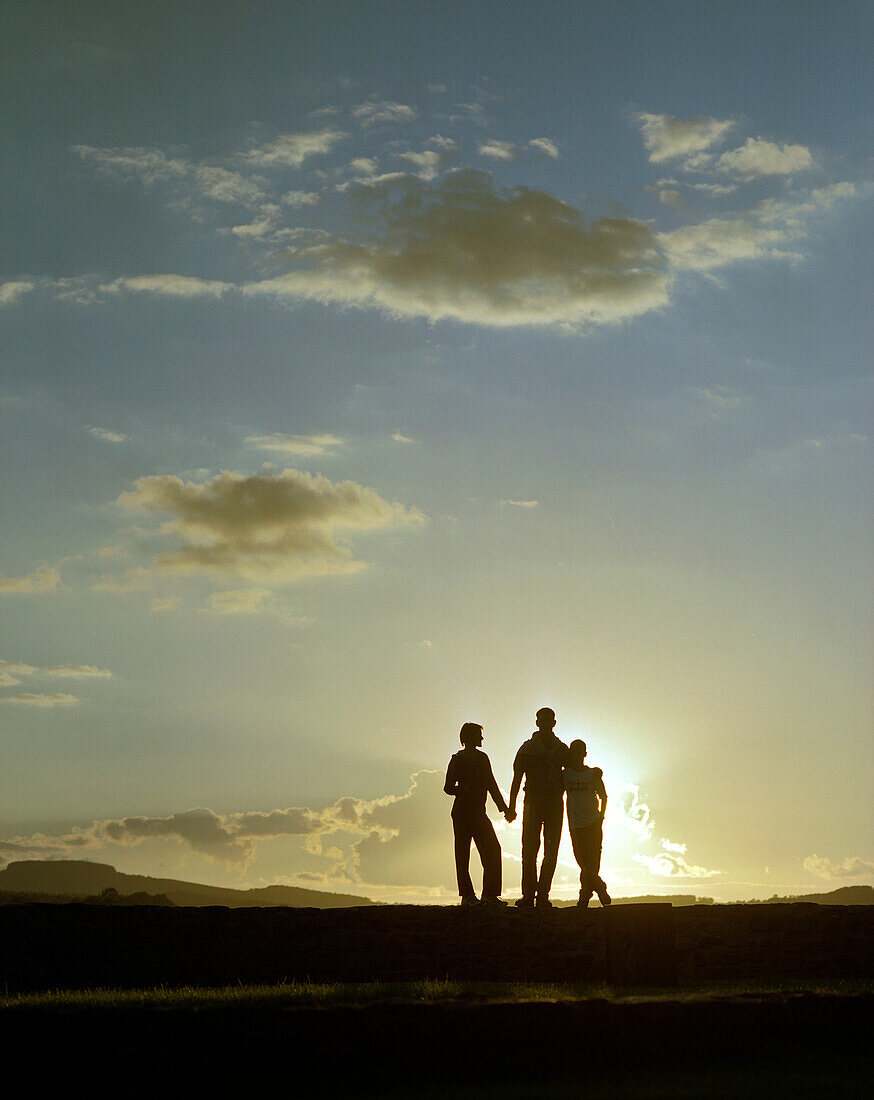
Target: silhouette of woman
469, 778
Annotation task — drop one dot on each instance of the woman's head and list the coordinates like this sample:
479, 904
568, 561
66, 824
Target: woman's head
471, 734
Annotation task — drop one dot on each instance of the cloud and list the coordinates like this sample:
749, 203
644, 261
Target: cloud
221, 185
296, 444
40, 580
671, 864
291, 150
108, 436
173, 286
334, 832
544, 145
429, 162
78, 672
53, 699
375, 110
399, 437
851, 867
280, 527
11, 292
301, 198
519, 503
241, 601
767, 231
149, 166
636, 815
667, 137
461, 249
757, 157
498, 150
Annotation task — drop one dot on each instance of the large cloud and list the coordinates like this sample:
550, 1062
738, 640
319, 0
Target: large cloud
40, 580
757, 157
291, 150
667, 137
462, 249
851, 867
280, 527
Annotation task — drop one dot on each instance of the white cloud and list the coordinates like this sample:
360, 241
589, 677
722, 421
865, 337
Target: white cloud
282, 527
363, 166
461, 249
667, 137
172, 286
291, 150
375, 110
757, 157
296, 444
108, 436
767, 231
429, 162
498, 150
300, 198
399, 437
240, 601
635, 814
12, 291
53, 699
40, 580
671, 864
519, 503
149, 166
851, 867
544, 145
222, 185
76, 672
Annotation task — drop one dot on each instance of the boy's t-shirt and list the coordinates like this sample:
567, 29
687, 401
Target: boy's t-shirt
582, 789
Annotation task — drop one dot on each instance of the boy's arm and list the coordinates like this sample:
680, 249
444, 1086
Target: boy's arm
601, 792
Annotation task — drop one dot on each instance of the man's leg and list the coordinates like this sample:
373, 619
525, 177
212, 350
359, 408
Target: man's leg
532, 823
489, 848
462, 830
553, 819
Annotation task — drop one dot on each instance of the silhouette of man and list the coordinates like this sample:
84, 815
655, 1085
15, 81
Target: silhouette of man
539, 761
586, 806
469, 778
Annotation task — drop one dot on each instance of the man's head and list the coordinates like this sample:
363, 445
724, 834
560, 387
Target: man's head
577, 753
471, 735
545, 719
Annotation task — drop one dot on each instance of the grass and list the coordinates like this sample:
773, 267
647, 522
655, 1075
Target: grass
432, 991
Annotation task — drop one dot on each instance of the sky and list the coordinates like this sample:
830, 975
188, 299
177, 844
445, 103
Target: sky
371, 368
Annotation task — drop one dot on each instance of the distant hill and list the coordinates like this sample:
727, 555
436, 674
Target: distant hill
78, 879
844, 895
647, 899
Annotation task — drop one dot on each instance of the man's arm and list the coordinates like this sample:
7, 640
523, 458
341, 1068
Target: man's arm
495, 791
518, 772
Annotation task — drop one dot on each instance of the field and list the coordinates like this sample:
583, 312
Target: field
443, 1001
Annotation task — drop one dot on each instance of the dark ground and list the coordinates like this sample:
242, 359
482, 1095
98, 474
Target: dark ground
669, 1043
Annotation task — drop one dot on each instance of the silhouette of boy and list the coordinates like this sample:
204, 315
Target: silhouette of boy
539, 761
586, 805
469, 778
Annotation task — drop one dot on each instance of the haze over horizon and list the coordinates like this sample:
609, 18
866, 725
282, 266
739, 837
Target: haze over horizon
372, 368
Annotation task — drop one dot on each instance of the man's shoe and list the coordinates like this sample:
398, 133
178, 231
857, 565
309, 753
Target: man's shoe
472, 900
492, 901
544, 903
525, 903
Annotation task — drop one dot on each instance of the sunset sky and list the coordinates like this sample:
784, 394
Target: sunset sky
369, 368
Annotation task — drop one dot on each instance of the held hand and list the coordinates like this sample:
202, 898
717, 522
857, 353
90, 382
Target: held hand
509, 815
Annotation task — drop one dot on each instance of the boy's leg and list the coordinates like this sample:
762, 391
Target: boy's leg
461, 828
489, 848
581, 855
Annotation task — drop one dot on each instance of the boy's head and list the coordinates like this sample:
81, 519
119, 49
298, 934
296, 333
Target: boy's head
471, 735
577, 753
